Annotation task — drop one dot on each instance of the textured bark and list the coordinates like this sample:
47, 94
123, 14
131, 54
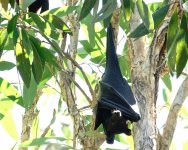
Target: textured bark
27, 121
146, 66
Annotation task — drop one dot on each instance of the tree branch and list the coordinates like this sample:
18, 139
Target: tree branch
171, 122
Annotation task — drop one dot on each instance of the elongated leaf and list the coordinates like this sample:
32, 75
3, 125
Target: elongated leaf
185, 6
182, 55
10, 91
107, 20
38, 64
107, 9
9, 125
44, 53
3, 39
44, 26
23, 64
88, 27
29, 93
6, 106
6, 65
62, 11
167, 81
12, 25
127, 9
42, 141
182, 47
158, 17
26, 42
171, 40
25, 4
86, 8
57, 23
145, 15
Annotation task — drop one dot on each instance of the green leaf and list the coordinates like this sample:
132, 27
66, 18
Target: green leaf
57, 23
29, 93
181, 54
6, 65
5, 106
167, 81
38, 64
3, 39
166, 96
25, 4
9, 125
86, 8
45, 27
12, 25
107, 20
107, 9
45, 54
185, 6
87, 46
158, 17
26, 42
23, 64
42, 141
6, 89
62, 11
182, 47
145, 15
88, 27
127, 9
171, 40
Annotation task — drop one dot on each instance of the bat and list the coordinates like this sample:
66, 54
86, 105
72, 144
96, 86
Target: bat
114, 109
36, 5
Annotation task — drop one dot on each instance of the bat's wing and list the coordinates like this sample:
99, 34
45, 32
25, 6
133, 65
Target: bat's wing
111, 99
112, 75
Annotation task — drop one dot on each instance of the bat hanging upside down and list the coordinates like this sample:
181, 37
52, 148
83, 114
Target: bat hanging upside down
113, 108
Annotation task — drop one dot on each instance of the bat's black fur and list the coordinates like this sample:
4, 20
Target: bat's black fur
116, 94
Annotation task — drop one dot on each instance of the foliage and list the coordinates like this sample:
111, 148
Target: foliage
35, 40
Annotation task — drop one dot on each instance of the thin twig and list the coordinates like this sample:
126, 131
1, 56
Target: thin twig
47, 128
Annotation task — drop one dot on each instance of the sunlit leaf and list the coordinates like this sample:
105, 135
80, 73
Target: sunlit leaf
23, 64
9, 125
86, 8
3, 39
88, 27
45, 27
166, 96
57, 23
127, 9
62, 11
145, 15
5, 106
10, 91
